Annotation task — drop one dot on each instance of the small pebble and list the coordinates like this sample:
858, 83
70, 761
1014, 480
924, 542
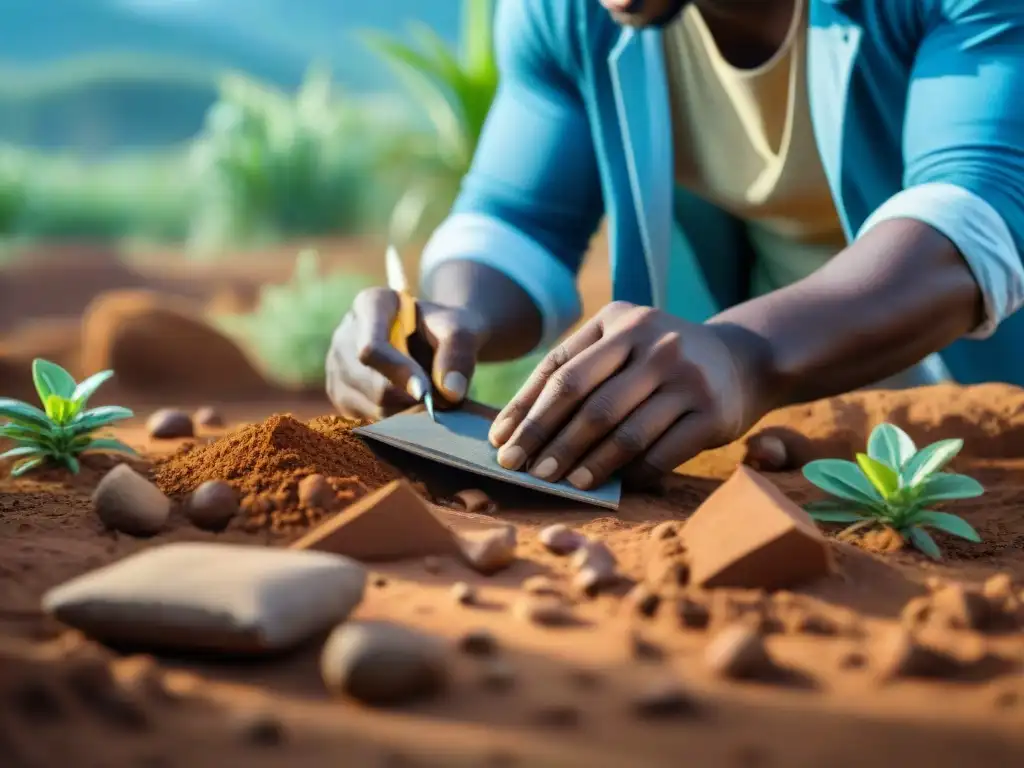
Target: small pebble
475, 501
541, 585
478, 642
766, 453
382, 664
125, 501
545, 611
738, 652
853, 660
380, 582
590, 581
492, 551
169, 424
663, 700
595, 568
498, 676
561, 539
316, 493
463, 593
212, 505
208, 417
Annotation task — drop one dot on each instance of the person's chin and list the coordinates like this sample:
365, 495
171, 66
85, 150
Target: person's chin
664, 13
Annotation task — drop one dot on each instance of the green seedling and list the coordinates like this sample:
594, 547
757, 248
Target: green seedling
63, 430
893, 485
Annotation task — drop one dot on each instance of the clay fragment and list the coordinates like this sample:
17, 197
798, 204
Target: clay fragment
125, 501
316, 493
664, 700
545, 611
208, 417
749, 534
169, 424
475, 501
490, 551
738, 652
561, 539
382, 664
212, 505
463, 593
393, 523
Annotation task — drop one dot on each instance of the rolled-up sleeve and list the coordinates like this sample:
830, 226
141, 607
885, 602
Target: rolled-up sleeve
532, 199
963, 144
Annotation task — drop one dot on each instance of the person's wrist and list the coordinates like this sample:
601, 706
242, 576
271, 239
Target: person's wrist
755, 367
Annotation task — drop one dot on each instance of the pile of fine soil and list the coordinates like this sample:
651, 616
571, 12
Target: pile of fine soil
265, 463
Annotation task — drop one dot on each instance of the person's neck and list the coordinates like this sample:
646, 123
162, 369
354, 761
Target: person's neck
748, 32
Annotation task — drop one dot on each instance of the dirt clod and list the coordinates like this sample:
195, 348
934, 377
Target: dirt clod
560, 539
491, 551
382, 664
212, 505
738, 652
316, 493
170, 424
125, 501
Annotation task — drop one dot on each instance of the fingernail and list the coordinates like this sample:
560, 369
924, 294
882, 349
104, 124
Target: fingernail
511, 457
545, 468
455, 385
500, 432
581, 478
416, 388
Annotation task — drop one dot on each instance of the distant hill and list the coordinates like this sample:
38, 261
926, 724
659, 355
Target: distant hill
60, 85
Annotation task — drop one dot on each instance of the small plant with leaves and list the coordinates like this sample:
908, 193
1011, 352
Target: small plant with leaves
895, 485
64, 429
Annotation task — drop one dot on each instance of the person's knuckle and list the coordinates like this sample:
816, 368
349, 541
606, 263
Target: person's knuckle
667, 351
566, 384
628, 440
599, 413
618, 307
554, 360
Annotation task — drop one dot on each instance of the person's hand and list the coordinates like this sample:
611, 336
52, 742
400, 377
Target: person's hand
633, 388
369, 378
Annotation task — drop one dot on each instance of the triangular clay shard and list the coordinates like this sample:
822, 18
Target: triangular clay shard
392, 523
749, 534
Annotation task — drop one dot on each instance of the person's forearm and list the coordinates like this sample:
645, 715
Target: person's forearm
885, 303
513, 324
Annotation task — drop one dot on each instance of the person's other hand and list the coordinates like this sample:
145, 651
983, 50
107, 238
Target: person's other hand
369, 378
633, 388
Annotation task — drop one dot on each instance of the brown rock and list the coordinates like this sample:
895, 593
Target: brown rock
590, 581
902, 655
546, 611
208, 417
641, 600
738, 652
693, 614
383, 664
316, 493
766, 453
125, 501
475, 501
561, 539
463, 593
392, 523
169, 424
960, 608
595, 568
662, 700
541, 585
490, 551
212, 505
749, 534
478, 642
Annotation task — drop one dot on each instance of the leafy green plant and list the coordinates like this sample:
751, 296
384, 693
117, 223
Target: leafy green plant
893, 485
455, 88
495, 384
290, 330
64, 429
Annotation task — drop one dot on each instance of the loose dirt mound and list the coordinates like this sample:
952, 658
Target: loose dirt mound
266, 462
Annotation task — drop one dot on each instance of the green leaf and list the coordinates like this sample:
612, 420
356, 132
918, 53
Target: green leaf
95, 418
51, 379
21, 432
920, 538
835, 516
26, 466
928, 461
477, 36
108, 444
59, 409
23, 450
948, 523
882, 476
23, 413
843, 479
891, 445
87, 388
71, 463
948, 487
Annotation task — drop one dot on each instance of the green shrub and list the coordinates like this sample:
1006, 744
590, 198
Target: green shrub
291, 328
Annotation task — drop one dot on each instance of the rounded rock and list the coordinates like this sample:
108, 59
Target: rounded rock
315, 492
382, 664
208, 417
545, 611
491, 551
170, 424
463, 593
561, 539
125, 501
738, 652
212, 506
